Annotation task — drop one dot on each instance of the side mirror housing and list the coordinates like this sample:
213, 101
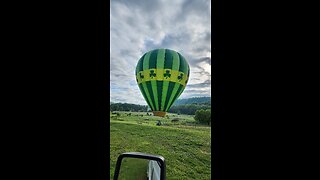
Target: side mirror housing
156, 167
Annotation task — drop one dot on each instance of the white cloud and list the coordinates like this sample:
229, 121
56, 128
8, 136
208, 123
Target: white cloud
142, 25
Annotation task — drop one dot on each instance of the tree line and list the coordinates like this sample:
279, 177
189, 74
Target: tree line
128, 107
189, 109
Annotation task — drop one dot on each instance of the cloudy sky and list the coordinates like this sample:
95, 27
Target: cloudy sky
138, 26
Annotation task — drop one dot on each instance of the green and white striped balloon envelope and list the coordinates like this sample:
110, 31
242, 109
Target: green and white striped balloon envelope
162, 75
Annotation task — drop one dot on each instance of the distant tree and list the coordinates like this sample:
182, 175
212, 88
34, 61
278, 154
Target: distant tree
203, 116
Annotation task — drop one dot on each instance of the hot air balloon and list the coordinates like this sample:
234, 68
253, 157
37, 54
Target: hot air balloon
162, 75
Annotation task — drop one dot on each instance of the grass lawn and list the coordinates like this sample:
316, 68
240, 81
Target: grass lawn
132, 168
185, 146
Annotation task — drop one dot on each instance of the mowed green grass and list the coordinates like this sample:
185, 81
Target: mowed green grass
132, 168
185, 145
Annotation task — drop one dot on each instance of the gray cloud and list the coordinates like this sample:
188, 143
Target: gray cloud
206, 83
142, 25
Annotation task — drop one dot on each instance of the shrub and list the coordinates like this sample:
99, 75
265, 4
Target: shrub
203, 116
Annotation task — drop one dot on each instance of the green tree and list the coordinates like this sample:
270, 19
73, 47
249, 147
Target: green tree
203, 116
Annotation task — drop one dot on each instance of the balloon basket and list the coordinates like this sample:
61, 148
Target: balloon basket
159, 113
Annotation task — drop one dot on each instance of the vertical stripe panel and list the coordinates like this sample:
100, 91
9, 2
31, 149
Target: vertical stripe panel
149, 87
169, 92
153, 65
153, 59
144, 94
149, 101
176, 61
140, 64
165, 86
155, 94
144, 84
168, 59
160, 84
172, 86
171, 58
174, 92
183, 64
179, 91
160, 59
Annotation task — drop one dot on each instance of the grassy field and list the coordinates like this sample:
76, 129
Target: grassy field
185, 145
132, 168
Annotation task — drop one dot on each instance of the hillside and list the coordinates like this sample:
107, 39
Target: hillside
197, 100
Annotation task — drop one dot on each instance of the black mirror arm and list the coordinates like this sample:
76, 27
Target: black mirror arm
140, 155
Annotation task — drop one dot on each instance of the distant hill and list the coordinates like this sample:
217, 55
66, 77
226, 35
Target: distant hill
194, 100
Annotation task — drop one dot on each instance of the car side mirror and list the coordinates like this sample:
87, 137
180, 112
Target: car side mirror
137, 165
